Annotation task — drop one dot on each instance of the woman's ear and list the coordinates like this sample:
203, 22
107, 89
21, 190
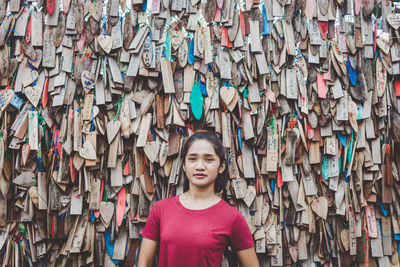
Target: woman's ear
221, 168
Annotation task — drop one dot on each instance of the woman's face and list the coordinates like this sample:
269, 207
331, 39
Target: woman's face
202, 164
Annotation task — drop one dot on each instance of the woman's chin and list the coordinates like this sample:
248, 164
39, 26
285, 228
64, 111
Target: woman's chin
203, 183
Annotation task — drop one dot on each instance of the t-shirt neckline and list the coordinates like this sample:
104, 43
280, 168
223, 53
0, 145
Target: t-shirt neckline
178, 202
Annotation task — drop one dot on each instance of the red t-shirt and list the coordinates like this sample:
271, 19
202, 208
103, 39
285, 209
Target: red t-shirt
195, 238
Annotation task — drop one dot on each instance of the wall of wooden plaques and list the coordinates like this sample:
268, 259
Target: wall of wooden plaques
97, 97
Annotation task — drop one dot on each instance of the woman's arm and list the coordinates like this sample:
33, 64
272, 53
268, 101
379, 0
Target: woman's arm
147, 252
248, 257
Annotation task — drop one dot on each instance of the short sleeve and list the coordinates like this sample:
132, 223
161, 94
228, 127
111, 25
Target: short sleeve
241, 237
152, 227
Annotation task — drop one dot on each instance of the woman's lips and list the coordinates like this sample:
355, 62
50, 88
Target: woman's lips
199, 176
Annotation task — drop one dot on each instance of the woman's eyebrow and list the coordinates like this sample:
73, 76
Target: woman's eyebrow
195, 154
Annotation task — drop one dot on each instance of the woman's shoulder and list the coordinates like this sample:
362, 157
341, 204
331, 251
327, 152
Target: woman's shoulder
229, 209
165, 201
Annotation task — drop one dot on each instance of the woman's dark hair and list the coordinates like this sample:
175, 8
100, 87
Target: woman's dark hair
222, 178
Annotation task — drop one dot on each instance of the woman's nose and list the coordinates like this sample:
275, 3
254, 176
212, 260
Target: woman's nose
199, 164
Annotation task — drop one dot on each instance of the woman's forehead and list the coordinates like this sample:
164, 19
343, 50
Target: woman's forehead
203, 147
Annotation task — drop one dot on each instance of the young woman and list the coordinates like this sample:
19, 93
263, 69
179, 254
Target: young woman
195, 227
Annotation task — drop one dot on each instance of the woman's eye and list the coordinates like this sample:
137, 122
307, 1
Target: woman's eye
210, 160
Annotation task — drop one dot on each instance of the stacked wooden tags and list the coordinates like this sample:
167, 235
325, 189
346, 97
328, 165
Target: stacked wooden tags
96, 99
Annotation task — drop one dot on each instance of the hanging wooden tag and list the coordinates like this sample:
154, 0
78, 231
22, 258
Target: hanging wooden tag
249, 195
49, 50
210, 83
76, 201
163, 153
291, 83
50, 6
277, 259
394, 20
231, 164
95, 194
106, 212
144, 130
99, 92
95, 10
33, 195
309, 185
167, 77
362, 252
287, 172
371, 221
59, 30
293, 137
380, 78
255, 37
254, 93
387, 235
248, 129
236, 55
160, 111
79, 235
183, 53
208, 57
3, 10
88, 80
376, 244
177, 37
151, 150
25, 179
113, 152
116, 36
38, 58
115, 71
67, 56
320, 207
225, 66
106, 42
345, 239
289, 37
330, 145
42, 190
227, 94
155, 7
113, 127
77, 127
87, 151
25, 153
226, 129
69, 92
3, 211
272, 149
148, 55
87, 107
342, 109
4, 31
6, 96
125, 118
33, 94
270, 229
33, 130
199, 42
315, 33
239, 186
120, 244
248, 162
139, 38
116, 174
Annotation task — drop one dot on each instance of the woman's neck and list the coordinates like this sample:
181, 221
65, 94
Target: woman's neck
200, 194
